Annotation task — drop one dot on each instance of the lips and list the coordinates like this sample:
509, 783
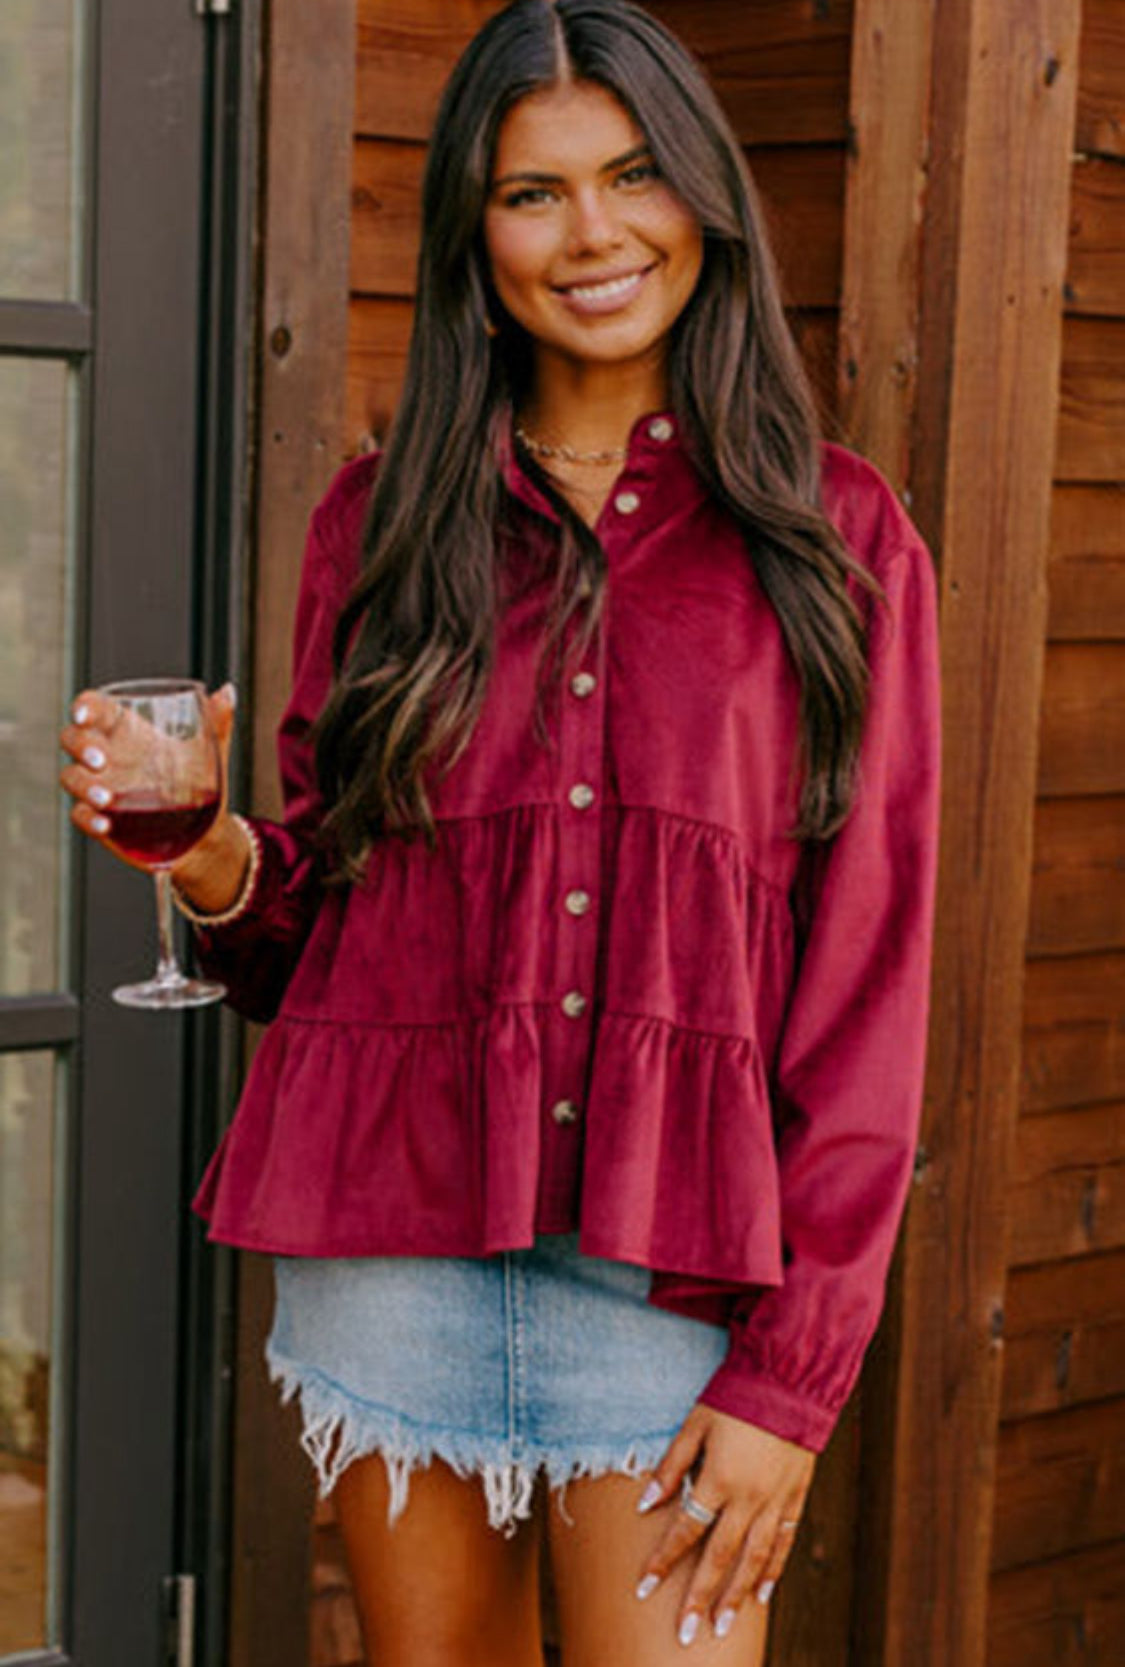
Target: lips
610, 292
606, 285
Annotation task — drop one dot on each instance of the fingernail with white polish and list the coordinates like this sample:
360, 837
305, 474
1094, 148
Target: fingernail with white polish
689, 1629
81, 713
99, 796
649, 1496
99, 824
765, 1591
231, 693
648, 1585
724, 1623
94, 758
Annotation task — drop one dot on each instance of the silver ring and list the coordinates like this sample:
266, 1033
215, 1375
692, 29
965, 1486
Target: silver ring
794, 1522
690, 1504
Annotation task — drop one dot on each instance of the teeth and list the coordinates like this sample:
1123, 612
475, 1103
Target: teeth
597, 292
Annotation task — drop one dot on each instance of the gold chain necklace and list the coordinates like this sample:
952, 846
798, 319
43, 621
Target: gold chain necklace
541, 448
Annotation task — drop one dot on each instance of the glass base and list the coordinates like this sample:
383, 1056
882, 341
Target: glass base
169, 993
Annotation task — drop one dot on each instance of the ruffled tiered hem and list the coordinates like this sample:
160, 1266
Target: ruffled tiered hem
387, 1112
678, 1167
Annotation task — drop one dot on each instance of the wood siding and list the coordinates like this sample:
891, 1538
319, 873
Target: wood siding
992, 227
302, 344
1057, 1591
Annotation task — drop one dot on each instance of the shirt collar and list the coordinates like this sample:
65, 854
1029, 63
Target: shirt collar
656, 460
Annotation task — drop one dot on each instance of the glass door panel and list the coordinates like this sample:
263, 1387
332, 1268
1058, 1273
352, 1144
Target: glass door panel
42, 241
35, 666
40, 61
101, 326
30, 1086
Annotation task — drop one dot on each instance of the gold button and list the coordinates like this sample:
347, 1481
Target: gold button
661, 429
626, 503
583, 683
578, 902
564, 1111
581, 795
574, 1004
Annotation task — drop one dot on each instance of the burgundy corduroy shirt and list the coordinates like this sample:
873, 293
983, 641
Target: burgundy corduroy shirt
618, 998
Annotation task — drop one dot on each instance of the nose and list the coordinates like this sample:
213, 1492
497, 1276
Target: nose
594, 224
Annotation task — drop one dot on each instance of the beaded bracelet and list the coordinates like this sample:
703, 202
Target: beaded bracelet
246, 891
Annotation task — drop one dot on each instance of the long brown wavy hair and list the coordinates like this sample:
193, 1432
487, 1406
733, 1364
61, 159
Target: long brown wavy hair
414, 644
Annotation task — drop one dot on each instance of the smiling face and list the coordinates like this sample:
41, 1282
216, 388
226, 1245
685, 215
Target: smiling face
589, 249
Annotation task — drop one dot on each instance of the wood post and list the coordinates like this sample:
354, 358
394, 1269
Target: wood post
309, 92
886, 183
990, 249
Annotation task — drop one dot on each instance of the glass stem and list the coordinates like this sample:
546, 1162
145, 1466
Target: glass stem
167, 971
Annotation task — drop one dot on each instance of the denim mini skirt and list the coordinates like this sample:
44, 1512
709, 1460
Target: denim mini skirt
501, 1365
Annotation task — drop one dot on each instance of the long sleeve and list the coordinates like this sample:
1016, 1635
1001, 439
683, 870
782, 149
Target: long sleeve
849, 1066
255, 955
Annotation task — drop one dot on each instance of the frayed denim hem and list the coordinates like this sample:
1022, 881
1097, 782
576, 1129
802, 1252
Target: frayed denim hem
338, 1428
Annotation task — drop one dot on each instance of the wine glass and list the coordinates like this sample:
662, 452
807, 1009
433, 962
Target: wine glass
164, 773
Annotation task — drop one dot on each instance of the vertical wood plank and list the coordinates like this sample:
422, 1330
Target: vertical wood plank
271, 1535
309, 101
885, 182
994, 234
891, 66
813, 1603
304, 324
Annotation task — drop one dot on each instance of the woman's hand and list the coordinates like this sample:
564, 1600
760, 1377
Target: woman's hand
758, 1483
101, 740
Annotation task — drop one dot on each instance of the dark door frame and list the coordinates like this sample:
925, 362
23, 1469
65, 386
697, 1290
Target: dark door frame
225, 534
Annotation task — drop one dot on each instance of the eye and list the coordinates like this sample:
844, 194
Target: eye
638, 174
528, 194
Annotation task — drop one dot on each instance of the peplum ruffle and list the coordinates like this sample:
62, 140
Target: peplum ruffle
376, 1119
364, 1139
433, 1154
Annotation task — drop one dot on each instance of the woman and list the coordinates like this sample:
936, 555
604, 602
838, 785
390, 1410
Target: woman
596, 937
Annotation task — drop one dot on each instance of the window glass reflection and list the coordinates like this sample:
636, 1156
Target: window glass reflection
34, 671
37, 134
27, 1354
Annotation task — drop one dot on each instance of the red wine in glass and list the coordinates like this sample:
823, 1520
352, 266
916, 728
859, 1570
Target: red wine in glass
152, 832
163, 771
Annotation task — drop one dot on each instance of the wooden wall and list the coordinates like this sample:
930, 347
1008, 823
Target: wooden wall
1057, 1591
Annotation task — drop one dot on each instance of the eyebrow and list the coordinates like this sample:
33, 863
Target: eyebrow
557, 179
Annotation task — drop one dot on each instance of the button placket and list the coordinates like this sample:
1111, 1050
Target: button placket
580, 774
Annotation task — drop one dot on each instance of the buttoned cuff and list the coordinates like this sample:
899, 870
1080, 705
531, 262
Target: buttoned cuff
761, 1400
